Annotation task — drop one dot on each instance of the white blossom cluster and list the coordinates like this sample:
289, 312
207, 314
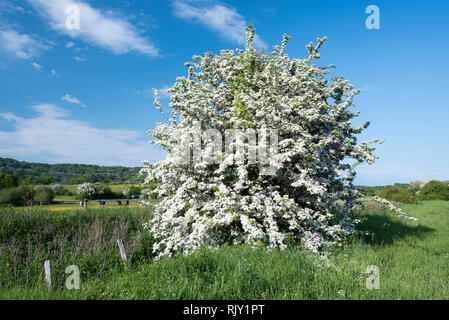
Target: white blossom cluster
87, 189
310, 196
56, 187
392, 207
126, 192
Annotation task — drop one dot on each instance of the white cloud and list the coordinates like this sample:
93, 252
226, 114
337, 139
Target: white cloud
79, 59
36, 65
22, 46
72, 99
69, 44
53, 74
53, 137
102, 29
224, 20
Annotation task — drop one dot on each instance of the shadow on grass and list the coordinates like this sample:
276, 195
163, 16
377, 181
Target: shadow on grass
383, 230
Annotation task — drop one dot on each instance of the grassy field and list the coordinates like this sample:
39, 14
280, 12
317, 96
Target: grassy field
114, 187
64, 203
412, 257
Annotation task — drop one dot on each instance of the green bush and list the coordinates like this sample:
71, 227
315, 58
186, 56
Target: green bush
435, 190
19, 196
399, 194
11, 196
44, 194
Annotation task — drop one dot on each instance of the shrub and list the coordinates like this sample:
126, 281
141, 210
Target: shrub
44, 194
11, 196
19, 196
435, 190
399, 194
302, 189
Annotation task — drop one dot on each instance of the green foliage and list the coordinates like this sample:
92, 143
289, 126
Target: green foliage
40, 173
8, 181
18, 196
44, 194
435, 190
399, 194
11, 196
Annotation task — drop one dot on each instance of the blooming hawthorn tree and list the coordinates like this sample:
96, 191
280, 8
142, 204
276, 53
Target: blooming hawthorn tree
308, 197
86, 191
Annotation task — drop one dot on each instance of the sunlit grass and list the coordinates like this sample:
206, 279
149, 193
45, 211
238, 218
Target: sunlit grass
412, 257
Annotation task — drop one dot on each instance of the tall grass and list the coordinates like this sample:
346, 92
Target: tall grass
412, 257
86, 238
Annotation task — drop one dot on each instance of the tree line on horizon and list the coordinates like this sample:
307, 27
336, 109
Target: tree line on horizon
14, 173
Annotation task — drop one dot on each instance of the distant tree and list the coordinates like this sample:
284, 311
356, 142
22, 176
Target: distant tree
18, 196
104, 192
28, 194
57, 188
127, 193
44, 194
435, 190
11, 196
86, 191
8, 181
399, 194
131, 192
40, 173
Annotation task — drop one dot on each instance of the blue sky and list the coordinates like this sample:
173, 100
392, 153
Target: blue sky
84, 96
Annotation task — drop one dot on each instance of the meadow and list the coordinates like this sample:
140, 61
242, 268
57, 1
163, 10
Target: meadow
412, 258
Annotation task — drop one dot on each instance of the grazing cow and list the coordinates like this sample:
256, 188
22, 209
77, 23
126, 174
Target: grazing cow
119, 203
127, 202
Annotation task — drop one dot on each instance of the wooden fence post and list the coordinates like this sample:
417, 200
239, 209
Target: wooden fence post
47, 272
122, 249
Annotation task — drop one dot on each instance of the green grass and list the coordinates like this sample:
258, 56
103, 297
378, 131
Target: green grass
413, 259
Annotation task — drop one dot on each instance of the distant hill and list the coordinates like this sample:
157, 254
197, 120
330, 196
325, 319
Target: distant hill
30, 172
